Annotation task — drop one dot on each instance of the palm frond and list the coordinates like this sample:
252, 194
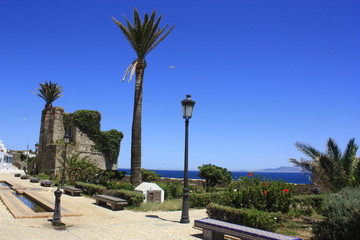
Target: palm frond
305, 165
308, 150
333, 150
356, 173
349, 156
49, 92
144, 35
160, 40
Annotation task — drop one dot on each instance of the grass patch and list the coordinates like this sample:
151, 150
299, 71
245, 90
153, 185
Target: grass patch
168, 205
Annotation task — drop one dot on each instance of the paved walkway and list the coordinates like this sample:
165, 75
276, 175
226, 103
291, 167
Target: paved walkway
96, 222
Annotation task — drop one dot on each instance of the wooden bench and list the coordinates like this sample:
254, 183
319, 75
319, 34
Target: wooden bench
45, 183
216, 229
34, 180
115, 203
72, 191
24, 177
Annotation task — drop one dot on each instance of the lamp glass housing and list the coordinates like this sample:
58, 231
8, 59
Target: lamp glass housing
187, 107
66, 138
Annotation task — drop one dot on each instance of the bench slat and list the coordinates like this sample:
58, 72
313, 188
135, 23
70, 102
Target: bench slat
116, 203
239, 231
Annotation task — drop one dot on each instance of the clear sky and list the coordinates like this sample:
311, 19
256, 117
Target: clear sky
264, 74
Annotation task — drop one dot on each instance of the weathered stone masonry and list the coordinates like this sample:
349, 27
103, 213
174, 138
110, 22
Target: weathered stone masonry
51, 143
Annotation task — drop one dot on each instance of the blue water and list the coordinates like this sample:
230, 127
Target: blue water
290, 177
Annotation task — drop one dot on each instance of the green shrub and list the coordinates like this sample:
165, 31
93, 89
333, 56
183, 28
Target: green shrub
89, 188
247, 217
133, 198
200, 200
306, 204
214, 175
342, 216
265, 195
120, 185
149, 176
171, 189
80, 170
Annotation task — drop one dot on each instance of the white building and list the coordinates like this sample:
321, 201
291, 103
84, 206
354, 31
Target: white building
151, 191
5, 157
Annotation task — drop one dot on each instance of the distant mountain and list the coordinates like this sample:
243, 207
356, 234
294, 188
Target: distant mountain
281, 169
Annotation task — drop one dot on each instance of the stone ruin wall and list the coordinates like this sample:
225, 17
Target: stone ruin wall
51, 143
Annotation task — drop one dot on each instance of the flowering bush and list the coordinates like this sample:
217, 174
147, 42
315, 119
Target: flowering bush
264, 195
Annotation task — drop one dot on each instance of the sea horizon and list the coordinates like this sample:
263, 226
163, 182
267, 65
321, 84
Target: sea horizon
290, 177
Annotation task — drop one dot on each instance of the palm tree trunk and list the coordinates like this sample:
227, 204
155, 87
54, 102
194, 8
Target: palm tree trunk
136, 126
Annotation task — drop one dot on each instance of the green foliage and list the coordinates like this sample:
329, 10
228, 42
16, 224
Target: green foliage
88, 121
107, 142
333, 169
342, 213
49, 92
120, 185
265, 195
214, 175
307, 204
247, 217
149, 176
171, 189
133, 198
90, 189
80, 170
200, 200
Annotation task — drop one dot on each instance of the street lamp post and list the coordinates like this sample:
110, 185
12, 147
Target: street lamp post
37, 152
187, 109
66, 141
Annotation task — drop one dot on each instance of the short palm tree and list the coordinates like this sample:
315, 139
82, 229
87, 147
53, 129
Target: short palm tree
143, 37
331, 170
49, 92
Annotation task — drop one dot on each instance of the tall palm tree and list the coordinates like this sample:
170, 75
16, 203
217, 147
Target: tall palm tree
331, 170
49, 92
143, 37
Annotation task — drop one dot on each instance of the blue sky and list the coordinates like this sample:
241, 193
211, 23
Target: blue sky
264, 74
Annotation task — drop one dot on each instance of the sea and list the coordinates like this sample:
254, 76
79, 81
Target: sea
290, 177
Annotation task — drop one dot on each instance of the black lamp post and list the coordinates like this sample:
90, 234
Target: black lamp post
37, 152
66, 141
187, 109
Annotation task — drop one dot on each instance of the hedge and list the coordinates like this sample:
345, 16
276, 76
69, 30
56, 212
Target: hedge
89, 188
248, 217
133, 198
200, 200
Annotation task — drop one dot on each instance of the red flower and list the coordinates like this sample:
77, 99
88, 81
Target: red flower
265, 183
265, 192
250, 174
286, 190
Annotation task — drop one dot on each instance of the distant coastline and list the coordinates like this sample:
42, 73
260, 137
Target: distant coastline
292, 169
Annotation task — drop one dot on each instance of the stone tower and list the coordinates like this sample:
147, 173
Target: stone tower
52, 146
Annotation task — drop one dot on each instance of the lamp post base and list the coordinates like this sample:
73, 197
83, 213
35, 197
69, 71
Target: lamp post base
184, 220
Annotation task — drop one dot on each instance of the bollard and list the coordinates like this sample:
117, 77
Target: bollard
57, 210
